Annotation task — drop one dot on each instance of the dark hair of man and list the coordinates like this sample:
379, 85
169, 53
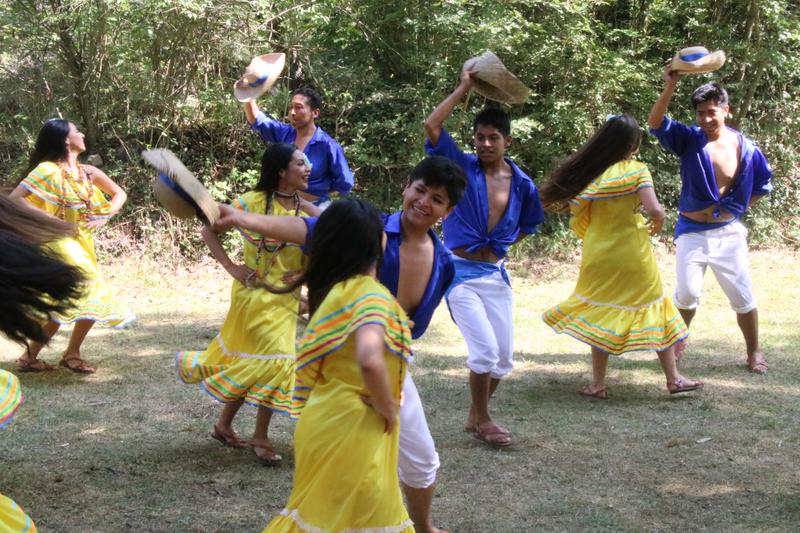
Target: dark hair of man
494, 117
276, 159
33, 284
710, 92
313, 97
50, 144
347, 241
31, 223
613, 142
438, 171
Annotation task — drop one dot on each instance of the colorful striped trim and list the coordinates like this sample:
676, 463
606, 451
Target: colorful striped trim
612, 342
294, 515
611, 184
46, 182
10, 397
616, 306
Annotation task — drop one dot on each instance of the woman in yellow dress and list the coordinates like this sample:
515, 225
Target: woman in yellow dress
350, 367
252, 358
60, 186
619, 304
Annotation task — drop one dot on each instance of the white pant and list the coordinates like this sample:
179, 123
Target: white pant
481, 308
417, 460
725, 251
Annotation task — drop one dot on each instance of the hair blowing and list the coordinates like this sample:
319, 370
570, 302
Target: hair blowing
347, 241
614, 141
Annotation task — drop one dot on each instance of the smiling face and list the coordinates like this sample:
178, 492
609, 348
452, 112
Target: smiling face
710, 117
300, 112
424, 205
295, 176
75, 140
490, 143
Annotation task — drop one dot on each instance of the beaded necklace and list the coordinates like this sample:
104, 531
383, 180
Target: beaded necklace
82, 186
273, 249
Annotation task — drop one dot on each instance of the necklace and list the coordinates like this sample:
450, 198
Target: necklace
82, 187
273, 248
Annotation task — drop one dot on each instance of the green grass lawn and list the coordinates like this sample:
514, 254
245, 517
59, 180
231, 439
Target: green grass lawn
128, 449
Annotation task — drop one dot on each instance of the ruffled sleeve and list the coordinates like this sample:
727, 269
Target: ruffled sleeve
349, 305
60, 197
10, 396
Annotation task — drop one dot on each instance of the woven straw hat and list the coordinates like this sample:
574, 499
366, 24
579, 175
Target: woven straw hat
259, 76
178, 190
696, 60
492, 80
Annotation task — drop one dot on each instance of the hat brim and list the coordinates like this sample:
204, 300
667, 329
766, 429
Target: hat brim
178, 190
709, 63
492, 79
243, 92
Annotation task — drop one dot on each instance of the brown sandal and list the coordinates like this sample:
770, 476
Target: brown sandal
684, 385
757, 364
77, 365
231, 441
33, 365
600, 394
493, 435
269, 457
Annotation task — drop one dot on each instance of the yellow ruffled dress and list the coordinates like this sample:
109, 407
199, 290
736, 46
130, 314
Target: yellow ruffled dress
345, 476
252, 357
12, 518
619, 304
73, 198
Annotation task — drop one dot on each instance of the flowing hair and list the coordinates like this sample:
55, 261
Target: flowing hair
616, 140
347, 241
50, 145
34, 282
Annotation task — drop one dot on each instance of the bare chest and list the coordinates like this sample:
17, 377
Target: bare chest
416, 267
724, 155
498, 191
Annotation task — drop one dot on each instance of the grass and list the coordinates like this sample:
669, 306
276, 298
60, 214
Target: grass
127, 449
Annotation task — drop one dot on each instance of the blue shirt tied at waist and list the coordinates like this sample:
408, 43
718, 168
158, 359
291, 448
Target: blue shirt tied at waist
467, 269
699, 188
329, 170
442, 272
466, 227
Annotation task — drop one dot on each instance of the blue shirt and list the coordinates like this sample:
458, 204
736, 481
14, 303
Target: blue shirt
329, 170
466, 227
699, 188
441, 274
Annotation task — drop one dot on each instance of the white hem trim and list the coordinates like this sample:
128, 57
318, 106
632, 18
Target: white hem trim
245, 355
295, 515
615, 306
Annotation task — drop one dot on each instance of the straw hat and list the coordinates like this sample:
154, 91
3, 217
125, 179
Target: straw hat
492, 80
696, 60
261, 74
178, 190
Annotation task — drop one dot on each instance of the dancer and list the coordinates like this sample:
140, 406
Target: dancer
330, 171
723, 173
252, 358
417, 269
350, 368
619, 303
34, 284
500, 207
60, 186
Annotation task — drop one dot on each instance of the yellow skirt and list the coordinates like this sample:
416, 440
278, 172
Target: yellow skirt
13, 519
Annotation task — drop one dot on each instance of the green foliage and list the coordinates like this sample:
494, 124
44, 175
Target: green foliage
145, 73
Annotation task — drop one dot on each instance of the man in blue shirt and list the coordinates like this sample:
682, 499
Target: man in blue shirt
329, 169
500, 207
418, 269
722, 174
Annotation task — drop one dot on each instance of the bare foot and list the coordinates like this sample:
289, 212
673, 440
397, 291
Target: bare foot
757, 364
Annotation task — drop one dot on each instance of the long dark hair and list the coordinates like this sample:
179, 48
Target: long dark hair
347, 241
614, 141
50, 145
276, 159
33, 281
31, 223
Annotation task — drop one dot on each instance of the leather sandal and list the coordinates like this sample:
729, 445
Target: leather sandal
757, 364
77, 365
684, 385
33, 365
493, 435
600, 394
230, 441
268, 455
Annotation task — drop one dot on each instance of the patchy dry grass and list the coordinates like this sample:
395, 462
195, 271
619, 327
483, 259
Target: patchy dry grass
127, 449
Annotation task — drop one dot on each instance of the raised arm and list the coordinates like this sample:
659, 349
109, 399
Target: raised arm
369, 352
250, 111
659, 108
647, 195
433, 124
283, 228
